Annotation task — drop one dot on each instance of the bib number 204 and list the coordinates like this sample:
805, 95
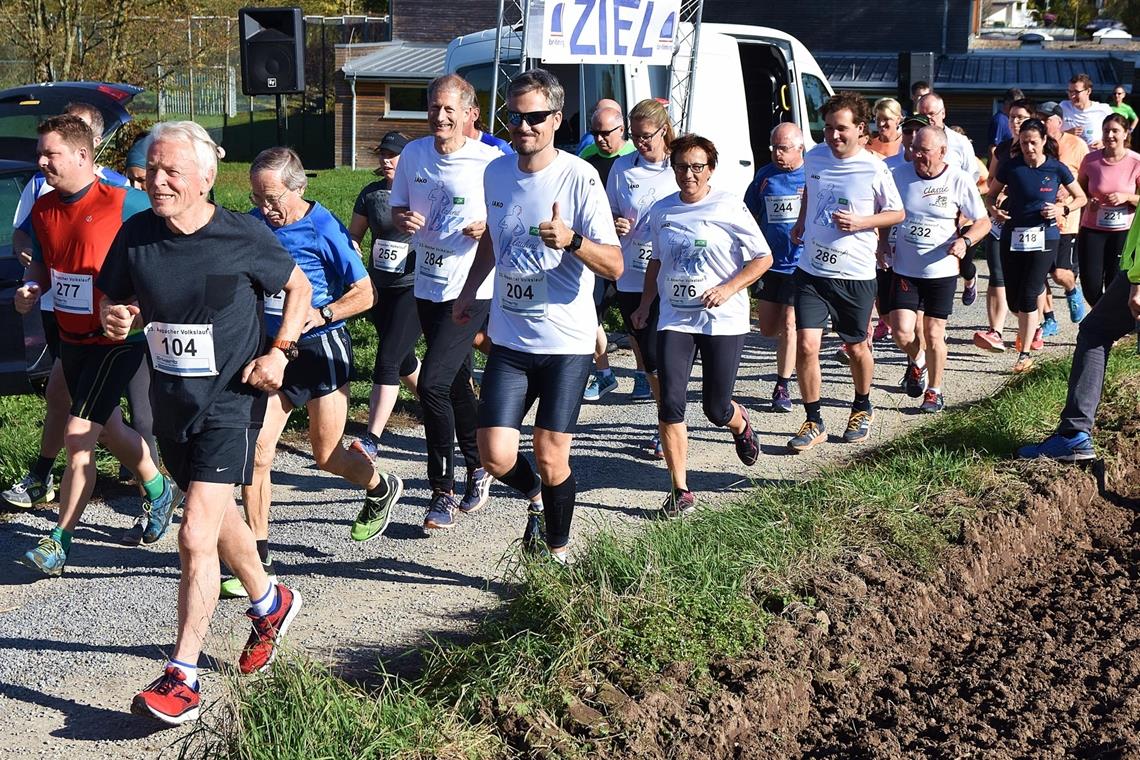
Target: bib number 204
517, 290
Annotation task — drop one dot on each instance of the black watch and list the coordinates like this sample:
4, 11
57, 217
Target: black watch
575, 243
327, 313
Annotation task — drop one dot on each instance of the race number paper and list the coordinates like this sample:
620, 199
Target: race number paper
389, 255
275, 304
71, 292
640, 262
524, 293
181, 350
783, 209
1027, 239
1114, 217
685, 290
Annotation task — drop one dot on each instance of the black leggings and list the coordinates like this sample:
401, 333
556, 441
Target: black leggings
720, 360
451, 411
1099, 255
1025, 273
647, 336
397, 330
993, 258
967, 269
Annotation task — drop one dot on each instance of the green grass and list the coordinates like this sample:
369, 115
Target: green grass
688, 591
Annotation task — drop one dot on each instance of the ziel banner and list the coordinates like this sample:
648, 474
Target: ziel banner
609, 31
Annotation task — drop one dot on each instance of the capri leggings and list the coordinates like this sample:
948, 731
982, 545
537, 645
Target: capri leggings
397, 330
720, 360
1025, 274
646, 337
1098, 252
993, 259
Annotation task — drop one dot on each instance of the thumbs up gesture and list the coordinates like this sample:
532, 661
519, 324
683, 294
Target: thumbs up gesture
117, 319
554, 233
26, 297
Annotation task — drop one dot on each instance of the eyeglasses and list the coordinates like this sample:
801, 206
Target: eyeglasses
1078, 92
649, 136
686, 168
600, 133
782, 148
272, 201
533, 118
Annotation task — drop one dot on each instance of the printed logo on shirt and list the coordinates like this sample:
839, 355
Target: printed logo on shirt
534, 231
928, 191
940, 202
440, 218
457, 201
633, 185
496, 204
421, 180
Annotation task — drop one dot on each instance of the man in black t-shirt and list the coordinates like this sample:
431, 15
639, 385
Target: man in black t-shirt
195, 275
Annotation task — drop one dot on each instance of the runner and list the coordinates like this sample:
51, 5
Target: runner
393, 275
205, 332
707, 250
637, 181
888, 139
72, 230
317, 378
1030, 238
960, 151
1000, 130
774, 198
437, 196
1122, 108
552, 233
1082, 115
945, 216
850, 194
1110, 178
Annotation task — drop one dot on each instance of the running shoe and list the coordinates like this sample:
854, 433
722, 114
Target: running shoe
1024, 363
882, 331
842, 356
133, 535
678, 504
48, 557
748, 442
478, 491
168, 699
377, 510
368, 445
914, 381
261, 646
233, 589
160, 512
655, 449
781, 400
859, 426
29, 492
1038, 341
810, 434
970, 293
1049, 328
534, 536
1064, 448
932, 402
1077, 306
641, 388
441, 511
599, 385
990, 340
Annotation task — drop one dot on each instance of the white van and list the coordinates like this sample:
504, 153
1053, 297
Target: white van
748, 79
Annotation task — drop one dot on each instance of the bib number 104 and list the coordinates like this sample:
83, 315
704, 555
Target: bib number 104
178, 347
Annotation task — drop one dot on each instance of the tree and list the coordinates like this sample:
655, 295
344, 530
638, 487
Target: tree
1127, 11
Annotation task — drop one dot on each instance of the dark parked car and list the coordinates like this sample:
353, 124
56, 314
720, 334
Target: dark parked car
24, 360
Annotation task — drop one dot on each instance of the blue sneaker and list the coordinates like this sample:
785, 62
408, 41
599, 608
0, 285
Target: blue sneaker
160, 512
641, 389
599, 385
441, 511
1077, 306
1049, 328
478, 491
591, 393
48, 557
367, 445
1064, 448
781, 401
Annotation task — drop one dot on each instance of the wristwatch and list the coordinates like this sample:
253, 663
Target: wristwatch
287, 347
327, 313
575, 243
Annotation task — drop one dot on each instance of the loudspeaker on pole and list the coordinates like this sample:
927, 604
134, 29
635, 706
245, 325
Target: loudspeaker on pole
272, 43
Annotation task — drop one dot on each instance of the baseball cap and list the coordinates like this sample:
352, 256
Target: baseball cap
1051, 108
916, 120
393, 141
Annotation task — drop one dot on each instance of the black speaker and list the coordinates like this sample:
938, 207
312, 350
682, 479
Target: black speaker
914, 67
272, 50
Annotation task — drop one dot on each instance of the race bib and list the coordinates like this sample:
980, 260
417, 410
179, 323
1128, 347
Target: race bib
435, 268
643, 252
47, 302
71, 292
919, 232
181, 350
275, 304
893, 235
389, 255
825, 258
1027, 239
995, 229
523, 294
783, 209
1114, 217
685, 290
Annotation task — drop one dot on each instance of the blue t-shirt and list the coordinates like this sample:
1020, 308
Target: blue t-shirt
320, 245
1029, 188
999, 129
496, 142
778, 191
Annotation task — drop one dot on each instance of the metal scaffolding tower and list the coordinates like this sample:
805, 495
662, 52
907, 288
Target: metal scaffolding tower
510, 57
681, 72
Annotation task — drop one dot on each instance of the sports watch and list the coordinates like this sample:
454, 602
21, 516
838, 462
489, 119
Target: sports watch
575, 243
327, 313
287, 347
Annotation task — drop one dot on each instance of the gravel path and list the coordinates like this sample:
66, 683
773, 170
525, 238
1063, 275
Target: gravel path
73, 651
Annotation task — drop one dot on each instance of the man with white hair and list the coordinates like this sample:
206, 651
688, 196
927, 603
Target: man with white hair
194, 276
959, 150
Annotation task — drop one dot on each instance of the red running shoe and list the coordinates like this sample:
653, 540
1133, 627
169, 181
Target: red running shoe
168, 699
261, 647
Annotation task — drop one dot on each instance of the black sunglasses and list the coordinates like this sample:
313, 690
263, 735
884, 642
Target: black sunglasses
533, 118
600, 133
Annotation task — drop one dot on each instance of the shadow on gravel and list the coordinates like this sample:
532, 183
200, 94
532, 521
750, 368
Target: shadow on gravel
87, 722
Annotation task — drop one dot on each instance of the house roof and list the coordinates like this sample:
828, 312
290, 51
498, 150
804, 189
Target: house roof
399, 60
979, 71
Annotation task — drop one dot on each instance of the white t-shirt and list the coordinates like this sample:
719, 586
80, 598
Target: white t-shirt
544, 298
861, 185
448, 191
701, 245
1090, 121
633, 187
960, 152
922, 247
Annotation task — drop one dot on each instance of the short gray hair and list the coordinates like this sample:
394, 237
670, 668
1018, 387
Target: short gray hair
206, 151
543, 81
282, 160
454, 83
937, 133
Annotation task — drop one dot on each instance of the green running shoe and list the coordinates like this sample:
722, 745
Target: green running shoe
377, 510
232, 587
48, 557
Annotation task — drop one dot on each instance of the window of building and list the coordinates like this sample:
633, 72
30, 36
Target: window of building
405, 101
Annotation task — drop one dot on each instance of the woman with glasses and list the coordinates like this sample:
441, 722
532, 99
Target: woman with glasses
636, 182
888, 140
1030, 237
707, 250
1111, 179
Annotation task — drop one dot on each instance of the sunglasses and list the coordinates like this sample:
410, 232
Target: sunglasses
533, 118
600, 133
